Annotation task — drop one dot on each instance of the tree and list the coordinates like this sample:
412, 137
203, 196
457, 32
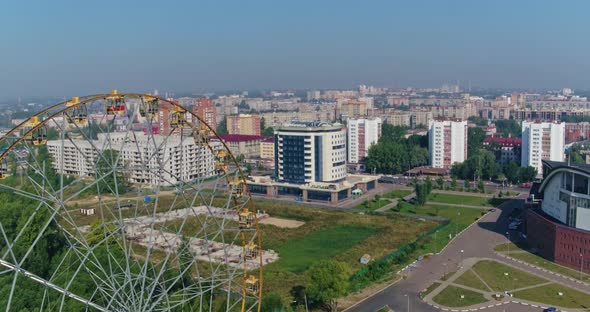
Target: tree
327, 281
508, 127
481, 186
272, 302
428, 183
108, 170
222, 127
479, 121
264, 131
422, 192
527, 174
475, 137
454, 183
440, 183
466, 185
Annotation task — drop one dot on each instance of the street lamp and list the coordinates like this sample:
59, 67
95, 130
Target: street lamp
406, 295
506, 274
508, 234
461, 264
581, 264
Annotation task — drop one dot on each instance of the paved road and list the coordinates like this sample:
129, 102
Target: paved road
477, 241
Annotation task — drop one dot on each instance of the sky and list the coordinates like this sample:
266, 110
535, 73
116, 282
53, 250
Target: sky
65, 48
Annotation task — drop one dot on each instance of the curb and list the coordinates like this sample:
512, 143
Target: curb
490, 306
543, 269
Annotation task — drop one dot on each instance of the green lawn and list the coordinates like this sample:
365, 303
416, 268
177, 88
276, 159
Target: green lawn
506, 247
451, 297
459, 199
397, 194
372, 205
459, 218
493, 273
300, 254
469, 279
551, 266
429, 289
549, 294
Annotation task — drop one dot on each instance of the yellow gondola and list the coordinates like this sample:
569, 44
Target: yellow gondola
252, 285
236, 187
115, 103
37, 134
246, 219
178, 119
149, 107
251, 251
3, 169
78, 114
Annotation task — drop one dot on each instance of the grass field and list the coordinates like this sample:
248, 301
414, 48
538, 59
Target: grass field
429, 289
300, 254
460, 199
453, 296
549, 294
397, 193
327, 234
517, 253
469, 279
373, 204
494, 273
459, 218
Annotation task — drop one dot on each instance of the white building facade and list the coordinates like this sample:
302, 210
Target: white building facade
152, 160
447, 142
309, 152
362, 133
542, 141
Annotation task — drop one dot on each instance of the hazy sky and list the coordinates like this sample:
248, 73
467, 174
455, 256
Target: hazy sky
80, 47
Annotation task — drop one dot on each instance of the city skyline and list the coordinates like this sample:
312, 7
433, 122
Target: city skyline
207, 46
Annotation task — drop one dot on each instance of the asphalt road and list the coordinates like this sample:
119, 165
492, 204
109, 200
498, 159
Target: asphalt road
477, 241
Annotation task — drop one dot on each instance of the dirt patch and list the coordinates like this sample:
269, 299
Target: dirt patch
282, 223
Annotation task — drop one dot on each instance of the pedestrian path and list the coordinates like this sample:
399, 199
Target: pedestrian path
493, 301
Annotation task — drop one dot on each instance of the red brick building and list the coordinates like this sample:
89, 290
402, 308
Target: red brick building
205, 109
559, 226
577, 131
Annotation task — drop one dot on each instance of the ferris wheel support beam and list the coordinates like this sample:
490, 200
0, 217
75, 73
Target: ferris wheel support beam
41, 281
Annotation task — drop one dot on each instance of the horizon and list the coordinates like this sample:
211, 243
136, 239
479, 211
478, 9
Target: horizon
57, 51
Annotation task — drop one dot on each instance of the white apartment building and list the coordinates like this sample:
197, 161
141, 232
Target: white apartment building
310, 152
152, 160
362, 133
542, 141
447, 142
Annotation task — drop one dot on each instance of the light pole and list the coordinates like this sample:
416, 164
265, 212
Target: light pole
581, 264
508, 234
506, 274
406, 295
461, 264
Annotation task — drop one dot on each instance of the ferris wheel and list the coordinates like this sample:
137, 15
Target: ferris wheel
125, 202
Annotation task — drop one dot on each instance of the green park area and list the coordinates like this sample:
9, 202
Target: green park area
454, 297
458, 219
398, 193
520, 252
330, 235
464, 199
373, 204
491, 277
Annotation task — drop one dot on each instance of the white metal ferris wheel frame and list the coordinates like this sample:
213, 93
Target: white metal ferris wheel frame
62, 109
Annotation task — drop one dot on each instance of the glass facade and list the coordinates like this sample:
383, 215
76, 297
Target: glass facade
293, 157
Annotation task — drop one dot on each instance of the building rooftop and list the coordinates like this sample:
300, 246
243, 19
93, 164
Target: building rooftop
240, 137
503, 141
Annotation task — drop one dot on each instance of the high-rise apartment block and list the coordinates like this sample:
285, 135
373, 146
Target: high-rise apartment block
542, 141
362, 133
243, 124
205, 109
309, 152
447, 142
